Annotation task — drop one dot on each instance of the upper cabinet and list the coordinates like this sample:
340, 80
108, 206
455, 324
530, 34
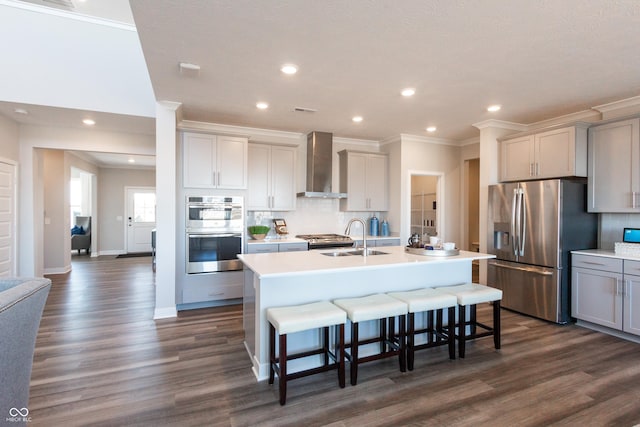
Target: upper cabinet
212, 161
614, 167
365, 179
272, 171
555, 153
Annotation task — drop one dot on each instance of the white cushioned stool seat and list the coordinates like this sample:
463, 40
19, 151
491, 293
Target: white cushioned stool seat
288, 320
371, 307
472, 293
385, 309
426, 299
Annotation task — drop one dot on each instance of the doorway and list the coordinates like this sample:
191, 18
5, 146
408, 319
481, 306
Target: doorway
141, 218
425, 207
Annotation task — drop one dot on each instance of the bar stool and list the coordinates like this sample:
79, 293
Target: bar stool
287, 320
472, 294
375, 307
430, 301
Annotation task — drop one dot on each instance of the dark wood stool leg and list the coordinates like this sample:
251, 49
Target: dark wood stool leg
354, 353
340, 354
472, 319
411, 341
272, 352
391, 333
451, 335
383, 335
496, 324
325, 345
403, 352
282, 381
462, 329
430, 326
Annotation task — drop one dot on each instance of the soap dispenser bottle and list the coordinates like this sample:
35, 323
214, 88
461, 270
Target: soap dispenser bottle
373, 226
385, 228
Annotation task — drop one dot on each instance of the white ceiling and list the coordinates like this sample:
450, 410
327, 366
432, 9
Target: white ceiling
538, 59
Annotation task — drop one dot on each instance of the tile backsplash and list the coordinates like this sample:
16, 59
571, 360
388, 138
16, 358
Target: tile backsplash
313, 216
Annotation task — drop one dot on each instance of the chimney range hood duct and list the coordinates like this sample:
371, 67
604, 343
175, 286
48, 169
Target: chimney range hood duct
319, 159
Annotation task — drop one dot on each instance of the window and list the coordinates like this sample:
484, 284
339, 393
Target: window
144, 207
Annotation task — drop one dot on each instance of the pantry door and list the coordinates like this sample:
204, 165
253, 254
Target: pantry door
7, 219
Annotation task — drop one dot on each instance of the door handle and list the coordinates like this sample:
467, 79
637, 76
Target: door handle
525, 269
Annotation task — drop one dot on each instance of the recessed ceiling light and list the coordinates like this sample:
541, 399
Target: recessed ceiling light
493, 108
289, 69
262, 105
431, 129
131, 160
408, 91
357, 119
21, 111
188, 66
89, 122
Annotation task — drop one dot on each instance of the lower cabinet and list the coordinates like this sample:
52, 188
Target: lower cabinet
265, 248
212, 287
604, 294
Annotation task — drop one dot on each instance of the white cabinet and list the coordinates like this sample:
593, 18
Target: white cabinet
604, 292
614, 167
211, 161
555, 153
213, 287
365, 179
271, 180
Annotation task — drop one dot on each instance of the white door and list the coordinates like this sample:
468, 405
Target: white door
140, 218
7, 219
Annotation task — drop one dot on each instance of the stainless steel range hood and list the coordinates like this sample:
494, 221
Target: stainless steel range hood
319, 167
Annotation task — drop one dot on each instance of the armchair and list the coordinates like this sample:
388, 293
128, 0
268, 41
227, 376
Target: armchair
82, 241
21, 303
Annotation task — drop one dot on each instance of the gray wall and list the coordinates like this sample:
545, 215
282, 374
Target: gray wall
111, 204
56, 212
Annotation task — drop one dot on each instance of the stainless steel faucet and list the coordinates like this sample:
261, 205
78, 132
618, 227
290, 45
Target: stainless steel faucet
364, 233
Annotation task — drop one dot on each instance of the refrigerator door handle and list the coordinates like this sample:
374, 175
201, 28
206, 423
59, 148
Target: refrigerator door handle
514, 241
518, 268
523, 226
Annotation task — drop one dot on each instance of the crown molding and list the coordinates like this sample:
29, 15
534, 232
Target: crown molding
265, 135
355, 141
634, 101
500, 124
428, 140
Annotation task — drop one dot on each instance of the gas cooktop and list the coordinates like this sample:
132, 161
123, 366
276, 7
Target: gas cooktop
322, 241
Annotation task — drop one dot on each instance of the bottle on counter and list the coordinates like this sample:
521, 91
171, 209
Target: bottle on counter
385, 228
373, 226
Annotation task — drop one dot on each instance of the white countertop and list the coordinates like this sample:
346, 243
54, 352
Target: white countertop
606, 254
292, 263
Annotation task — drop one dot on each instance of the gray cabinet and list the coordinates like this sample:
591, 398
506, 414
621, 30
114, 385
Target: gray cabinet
614, 167
554, 153
264, 248
606, 291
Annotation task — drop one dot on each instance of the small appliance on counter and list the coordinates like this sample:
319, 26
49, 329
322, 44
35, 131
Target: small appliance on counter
281, 226
630, 244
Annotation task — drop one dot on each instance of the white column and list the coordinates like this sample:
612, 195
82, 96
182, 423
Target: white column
166, 193
490, 131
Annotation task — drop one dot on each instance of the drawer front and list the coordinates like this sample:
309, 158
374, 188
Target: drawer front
262, 248
596, 263
201, 293
632, 267
293, 247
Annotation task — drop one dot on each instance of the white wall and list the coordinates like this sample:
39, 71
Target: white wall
56, 237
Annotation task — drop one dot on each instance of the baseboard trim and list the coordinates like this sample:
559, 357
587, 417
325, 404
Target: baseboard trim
165, 313
58, 270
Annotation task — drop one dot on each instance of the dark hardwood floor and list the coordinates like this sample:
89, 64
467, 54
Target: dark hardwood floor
101, 360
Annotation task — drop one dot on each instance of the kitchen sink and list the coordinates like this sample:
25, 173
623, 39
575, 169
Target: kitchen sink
358, 252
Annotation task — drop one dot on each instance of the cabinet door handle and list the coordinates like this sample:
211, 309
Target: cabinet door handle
218, 178
619, 290
530, 169
537, 168
633, 199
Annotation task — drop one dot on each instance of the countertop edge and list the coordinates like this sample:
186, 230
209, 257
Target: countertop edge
604, 253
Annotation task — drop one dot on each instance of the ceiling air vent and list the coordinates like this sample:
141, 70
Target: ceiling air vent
304, 110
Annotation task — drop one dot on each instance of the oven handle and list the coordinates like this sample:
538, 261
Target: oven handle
194, 235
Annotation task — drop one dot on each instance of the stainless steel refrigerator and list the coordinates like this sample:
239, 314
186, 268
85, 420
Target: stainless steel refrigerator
532, 227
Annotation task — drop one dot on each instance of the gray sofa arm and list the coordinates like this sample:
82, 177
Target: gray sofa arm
21, 304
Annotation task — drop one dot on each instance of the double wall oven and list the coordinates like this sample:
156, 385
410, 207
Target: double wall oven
214, 233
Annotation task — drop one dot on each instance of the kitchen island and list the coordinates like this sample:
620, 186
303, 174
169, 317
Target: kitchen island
282, 279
